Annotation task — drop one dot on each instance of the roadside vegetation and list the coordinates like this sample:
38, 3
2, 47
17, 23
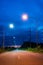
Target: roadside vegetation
6, 49
36, 50
32, 46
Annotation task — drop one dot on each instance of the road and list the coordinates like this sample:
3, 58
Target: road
21, 58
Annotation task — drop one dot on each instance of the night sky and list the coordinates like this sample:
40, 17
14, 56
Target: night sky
11, 12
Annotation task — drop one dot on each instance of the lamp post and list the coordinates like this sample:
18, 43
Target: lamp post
14, 39
11, 26
36, 23
3, 39
2, 32
25, 18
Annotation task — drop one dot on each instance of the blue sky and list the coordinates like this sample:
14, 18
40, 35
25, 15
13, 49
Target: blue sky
11, 11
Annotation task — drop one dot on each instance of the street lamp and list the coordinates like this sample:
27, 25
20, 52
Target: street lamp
3, 28
11, 26
24, 17
36, 23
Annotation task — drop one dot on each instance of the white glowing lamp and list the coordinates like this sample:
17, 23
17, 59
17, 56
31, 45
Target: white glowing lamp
11, 25
24, 17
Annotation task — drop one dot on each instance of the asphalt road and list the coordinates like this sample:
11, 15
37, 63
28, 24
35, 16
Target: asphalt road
21, 58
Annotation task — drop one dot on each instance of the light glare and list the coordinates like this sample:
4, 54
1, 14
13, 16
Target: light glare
24, 17
11, 25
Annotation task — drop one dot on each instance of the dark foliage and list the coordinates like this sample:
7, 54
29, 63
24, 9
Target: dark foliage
31, 44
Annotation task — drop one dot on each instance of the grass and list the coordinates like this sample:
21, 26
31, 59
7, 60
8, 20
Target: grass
2, 50
37, 50
5, 50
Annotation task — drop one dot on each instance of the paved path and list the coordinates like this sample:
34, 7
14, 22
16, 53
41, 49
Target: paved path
21, 58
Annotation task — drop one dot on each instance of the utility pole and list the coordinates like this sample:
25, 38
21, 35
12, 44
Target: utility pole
30, 36
2, 35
